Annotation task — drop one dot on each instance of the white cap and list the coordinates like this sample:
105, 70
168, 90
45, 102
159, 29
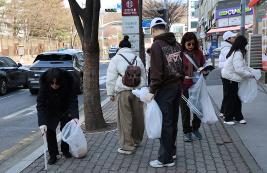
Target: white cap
228, 34
157, 21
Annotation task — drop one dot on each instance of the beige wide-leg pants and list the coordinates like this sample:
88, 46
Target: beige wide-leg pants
130, 120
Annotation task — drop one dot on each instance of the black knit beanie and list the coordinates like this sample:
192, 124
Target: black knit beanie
125, 42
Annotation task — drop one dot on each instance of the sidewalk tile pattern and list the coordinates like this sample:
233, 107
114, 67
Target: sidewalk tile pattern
215, 153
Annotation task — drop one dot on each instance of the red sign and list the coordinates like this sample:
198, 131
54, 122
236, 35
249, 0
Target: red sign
129, 7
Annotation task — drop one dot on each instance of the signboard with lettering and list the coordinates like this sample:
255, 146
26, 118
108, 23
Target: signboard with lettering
130, 24
231, 12
134, 39
129, 7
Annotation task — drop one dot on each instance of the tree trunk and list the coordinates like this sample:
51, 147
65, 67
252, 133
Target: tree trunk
92, 103
88, 32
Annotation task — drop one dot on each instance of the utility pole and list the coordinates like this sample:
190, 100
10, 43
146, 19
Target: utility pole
141, 34
243, 17
165, 13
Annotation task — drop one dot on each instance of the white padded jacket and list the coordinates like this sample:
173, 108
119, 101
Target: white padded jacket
225, 48
235, 68
118, 66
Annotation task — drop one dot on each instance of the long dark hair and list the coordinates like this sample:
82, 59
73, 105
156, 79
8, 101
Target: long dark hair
239, 44
188, 37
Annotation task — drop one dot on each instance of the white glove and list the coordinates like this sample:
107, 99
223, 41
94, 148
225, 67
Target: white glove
148, 97
43, 129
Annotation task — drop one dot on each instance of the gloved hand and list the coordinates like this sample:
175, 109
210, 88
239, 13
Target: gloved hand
148, 97
43, 129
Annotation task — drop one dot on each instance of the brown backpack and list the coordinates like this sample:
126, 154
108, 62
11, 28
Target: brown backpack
132, 76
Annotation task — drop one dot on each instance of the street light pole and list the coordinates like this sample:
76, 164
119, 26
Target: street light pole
243, 16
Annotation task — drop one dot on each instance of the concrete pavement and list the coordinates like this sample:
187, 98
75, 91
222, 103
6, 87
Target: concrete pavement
217, 153
232, 149
253, 134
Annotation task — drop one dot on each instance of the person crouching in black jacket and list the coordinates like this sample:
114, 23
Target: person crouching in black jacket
57, 102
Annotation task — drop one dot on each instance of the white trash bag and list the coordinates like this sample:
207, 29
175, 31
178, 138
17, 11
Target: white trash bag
153, 120
194, 97
73, 135
153, 114
209, 114
248, 88
200, 103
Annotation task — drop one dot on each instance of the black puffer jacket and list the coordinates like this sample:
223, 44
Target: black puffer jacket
54, 105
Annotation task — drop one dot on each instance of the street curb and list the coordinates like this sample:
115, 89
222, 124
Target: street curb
20, 166
240, 146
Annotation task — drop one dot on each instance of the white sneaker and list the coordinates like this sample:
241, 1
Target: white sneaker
243, 122
221, 115
158, 164
120, 150
229, 122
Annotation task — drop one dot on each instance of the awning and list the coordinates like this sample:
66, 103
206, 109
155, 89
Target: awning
230, 28
252, 3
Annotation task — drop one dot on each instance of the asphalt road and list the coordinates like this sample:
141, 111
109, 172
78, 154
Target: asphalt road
18, 116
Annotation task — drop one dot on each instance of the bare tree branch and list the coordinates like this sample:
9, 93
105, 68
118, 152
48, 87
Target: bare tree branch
176, 10
77, 18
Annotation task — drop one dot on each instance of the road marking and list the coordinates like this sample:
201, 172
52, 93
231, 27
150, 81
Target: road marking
31, 108
19, 92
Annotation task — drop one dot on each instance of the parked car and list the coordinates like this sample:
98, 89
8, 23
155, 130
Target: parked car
12, 75
112, 52
69, 59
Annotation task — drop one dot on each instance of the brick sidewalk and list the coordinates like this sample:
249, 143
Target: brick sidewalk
215, 153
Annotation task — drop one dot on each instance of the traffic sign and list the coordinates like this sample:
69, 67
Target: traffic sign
146, 23
110, 10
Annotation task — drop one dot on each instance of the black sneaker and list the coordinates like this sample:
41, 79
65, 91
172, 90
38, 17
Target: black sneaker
67, 155
197, 135
52, 160
187, 137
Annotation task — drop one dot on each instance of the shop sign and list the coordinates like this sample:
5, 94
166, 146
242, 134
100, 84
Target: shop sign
230, 12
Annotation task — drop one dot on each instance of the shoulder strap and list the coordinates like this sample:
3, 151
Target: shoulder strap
191, 60
130, 63
134, 60
125, 59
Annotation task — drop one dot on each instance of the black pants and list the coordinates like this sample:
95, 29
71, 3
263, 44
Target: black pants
186, 118
167, 98
225, 92
232, 102
52, 140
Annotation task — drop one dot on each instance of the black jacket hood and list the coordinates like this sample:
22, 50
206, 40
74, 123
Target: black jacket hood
167, 37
